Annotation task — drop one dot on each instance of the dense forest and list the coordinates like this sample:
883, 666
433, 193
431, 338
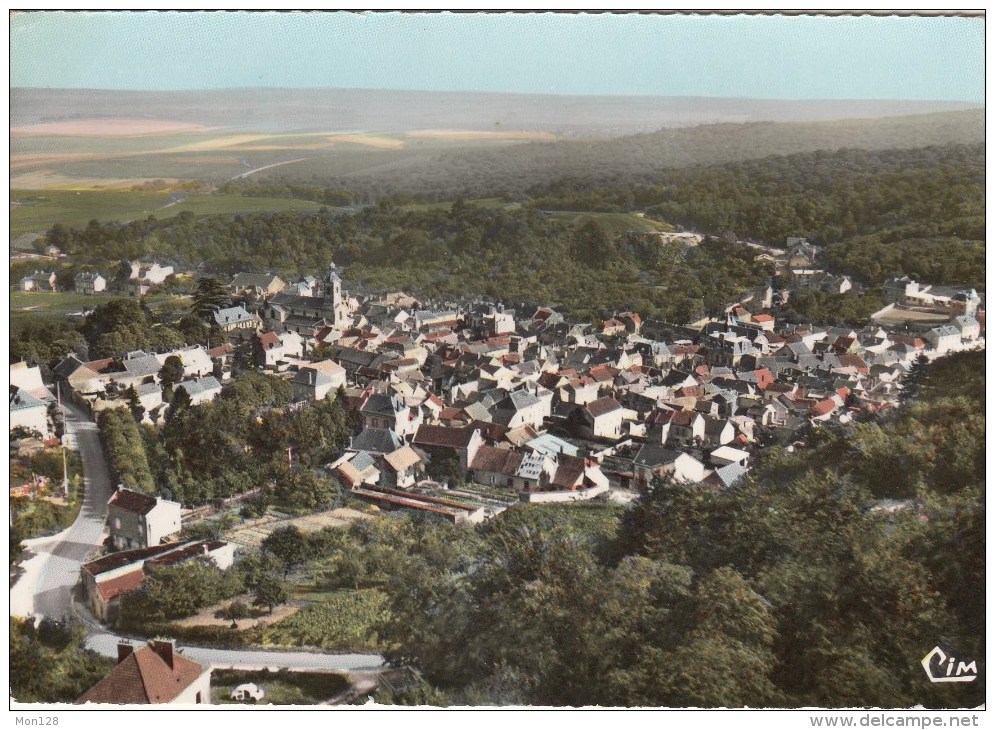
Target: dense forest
918, 212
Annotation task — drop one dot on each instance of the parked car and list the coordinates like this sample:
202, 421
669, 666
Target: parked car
247, 693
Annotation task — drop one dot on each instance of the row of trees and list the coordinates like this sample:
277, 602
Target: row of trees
125, 449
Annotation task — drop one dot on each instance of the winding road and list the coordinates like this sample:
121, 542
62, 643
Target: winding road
70, 549
63, 554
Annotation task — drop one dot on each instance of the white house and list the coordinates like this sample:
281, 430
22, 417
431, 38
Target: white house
599, 419
969, 327
89, 282
138, 520
28, 412
943, 338
201, 390
652, 460
39, 281
152, 675
725, 455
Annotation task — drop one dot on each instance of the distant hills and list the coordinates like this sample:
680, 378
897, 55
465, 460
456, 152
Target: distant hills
381, 111
636, 158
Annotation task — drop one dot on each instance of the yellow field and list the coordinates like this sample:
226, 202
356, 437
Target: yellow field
52, 180
385, 143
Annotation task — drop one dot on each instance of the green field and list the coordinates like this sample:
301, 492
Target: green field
39, 210
26, 305
280, 688
58, 303
342, 619
611, 222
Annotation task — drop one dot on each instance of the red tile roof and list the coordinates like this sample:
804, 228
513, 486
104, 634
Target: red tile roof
154, 674
603, 373
126, 583
220, 350
495, 460
569, 472
129, 501
268, 340
602, 406
823, 407
684, 418
853, 361
455, 438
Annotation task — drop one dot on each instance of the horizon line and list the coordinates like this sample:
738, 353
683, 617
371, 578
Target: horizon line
500, 93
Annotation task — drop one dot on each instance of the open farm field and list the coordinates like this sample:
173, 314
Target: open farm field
39, 210
29, 305
106, 128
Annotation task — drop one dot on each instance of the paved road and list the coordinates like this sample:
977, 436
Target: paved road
70, 549
66, 552
106, 644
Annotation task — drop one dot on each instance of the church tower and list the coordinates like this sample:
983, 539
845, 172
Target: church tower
332, 292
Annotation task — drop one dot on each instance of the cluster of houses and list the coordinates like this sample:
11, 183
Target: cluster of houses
140, 278
144, 531
115, 382
527, 402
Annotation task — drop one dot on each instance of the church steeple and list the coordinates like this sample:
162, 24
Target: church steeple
332, 286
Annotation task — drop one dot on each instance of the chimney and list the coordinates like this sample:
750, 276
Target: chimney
164, 649
124, 651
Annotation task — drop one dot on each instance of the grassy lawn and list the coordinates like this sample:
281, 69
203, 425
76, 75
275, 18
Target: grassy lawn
40, 209
280, 688
342, 619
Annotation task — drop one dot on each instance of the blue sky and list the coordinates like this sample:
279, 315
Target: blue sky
777, 57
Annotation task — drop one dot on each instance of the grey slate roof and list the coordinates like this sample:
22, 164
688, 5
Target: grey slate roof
311, 377
363, 461
232, 315
200, 385
143, 366
651, 456
377, 441
22, 400
730, 474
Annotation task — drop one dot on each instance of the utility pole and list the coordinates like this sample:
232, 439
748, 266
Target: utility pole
65, 467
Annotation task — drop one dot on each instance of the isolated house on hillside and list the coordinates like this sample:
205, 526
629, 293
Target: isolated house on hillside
138, 520
154, 674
